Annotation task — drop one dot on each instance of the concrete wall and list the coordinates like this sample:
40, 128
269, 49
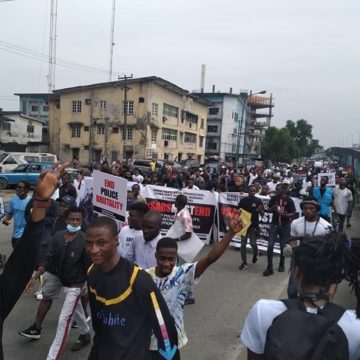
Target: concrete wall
143, 95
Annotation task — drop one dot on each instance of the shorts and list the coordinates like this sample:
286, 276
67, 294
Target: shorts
51, 286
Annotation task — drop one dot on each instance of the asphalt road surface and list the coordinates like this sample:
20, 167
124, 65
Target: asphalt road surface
223, 299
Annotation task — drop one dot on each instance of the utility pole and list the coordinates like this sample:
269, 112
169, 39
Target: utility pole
125, 111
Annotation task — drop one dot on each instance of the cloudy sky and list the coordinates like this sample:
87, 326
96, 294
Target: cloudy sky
305, 52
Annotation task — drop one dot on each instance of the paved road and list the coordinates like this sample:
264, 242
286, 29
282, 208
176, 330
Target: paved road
223, 299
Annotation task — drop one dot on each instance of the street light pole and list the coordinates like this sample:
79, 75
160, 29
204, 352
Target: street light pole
239, 131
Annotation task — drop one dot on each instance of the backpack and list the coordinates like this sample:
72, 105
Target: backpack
299, 335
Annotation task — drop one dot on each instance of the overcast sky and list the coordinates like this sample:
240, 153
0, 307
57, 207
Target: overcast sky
305, 52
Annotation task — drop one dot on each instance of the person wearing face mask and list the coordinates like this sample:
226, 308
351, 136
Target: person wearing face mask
67, 258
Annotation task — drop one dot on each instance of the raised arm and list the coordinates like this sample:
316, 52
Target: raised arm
21, 263
236, 224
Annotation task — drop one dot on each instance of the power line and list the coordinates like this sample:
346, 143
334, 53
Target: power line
31, 54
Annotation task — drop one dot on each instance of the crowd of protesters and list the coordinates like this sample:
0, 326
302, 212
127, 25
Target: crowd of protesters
69, 244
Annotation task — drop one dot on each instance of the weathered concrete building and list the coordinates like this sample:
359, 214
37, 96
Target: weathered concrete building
19, 132
157, 120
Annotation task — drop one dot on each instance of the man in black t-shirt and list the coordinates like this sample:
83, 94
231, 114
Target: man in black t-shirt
67, 188
283, 210
125, 303
254, 206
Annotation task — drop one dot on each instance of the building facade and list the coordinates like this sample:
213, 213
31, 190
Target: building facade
158, 120
35, 105
226, 122
19, 132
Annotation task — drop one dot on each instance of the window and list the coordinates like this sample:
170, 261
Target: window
170, 110
141, 99
76, 131
34, 108
30, 129
155, 109
76, 106
101, 129
128, 107
201, 141
191, 118
6, 126
202, 123
169, 134
86, 128
114, 156
102, 104
213, 110
23, 107
45, 108
129, 134
211, 146
153, 135
212, 128
10, 160
190, 138
115, 130
236, 116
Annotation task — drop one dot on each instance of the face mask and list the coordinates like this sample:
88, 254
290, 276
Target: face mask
72, 229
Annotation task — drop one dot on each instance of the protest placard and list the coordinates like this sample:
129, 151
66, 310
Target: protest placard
110, 195
201, 205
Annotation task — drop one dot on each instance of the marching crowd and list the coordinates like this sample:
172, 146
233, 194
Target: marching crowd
138, 314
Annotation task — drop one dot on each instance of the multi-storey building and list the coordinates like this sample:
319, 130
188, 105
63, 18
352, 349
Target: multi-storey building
36, 105
19, 132
257, 121
226, 122
157, 120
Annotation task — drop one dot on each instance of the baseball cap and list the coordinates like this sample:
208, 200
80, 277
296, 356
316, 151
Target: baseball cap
67, 199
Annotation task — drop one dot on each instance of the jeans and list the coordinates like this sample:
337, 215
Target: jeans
284, 233
340, 226
252, 235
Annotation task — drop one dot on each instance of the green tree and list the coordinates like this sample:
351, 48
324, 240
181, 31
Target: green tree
278, 145
301, 133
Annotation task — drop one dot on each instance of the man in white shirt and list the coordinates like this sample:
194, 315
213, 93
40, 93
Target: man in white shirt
145, 244
343, 200
174, 281
311, 224
317, 281
127, 233
272, 184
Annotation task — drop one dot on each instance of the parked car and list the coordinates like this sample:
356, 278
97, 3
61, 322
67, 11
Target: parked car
143, 165
10, 160
23, 172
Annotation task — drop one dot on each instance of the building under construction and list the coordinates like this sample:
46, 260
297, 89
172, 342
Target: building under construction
258, 119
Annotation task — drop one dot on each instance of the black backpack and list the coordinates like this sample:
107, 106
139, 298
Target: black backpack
299, 335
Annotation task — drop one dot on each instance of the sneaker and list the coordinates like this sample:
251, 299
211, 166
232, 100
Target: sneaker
31, 333
82, 341
281, 268
254, 259
243, 266
268, 272
74, 325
